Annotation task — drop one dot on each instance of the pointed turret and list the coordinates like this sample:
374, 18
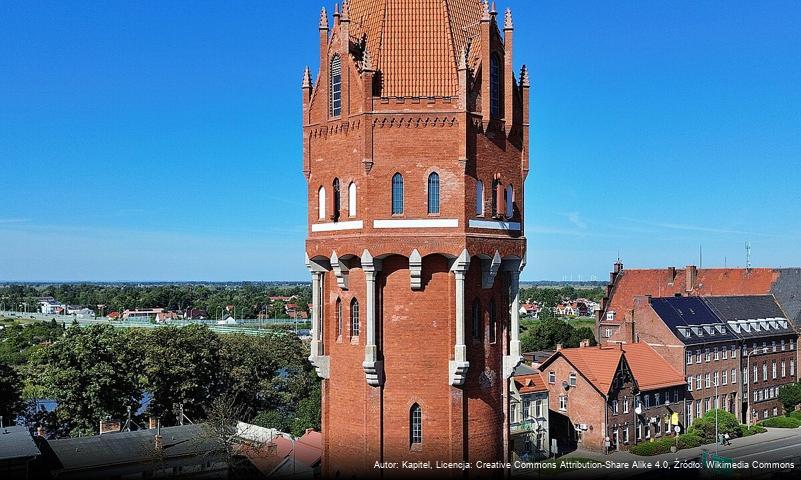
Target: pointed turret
323, 19
306, 78
507, 21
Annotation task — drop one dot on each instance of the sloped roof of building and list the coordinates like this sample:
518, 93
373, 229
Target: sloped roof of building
691, 320
133, 447
415, 44
650, 370
530, 383
760, 312
597, 364
600, 364
16, 442
666, 282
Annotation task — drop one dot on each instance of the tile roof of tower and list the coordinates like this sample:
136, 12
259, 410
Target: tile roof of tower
415, 44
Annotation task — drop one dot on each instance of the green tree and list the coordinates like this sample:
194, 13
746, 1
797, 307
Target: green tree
90, 373
790, 396
308, 413
180, 366
546, 334
272, 419
579, 334
704, 426
11, 403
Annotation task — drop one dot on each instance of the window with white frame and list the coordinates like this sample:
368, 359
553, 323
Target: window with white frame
321, 203
733, 375
572, 379
690, 383
563, 403
352, 199
724, 377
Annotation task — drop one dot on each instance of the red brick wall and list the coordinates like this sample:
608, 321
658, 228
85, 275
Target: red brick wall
412, 136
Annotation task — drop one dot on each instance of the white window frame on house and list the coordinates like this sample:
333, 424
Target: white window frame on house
538, 408
615, 407
689, 358
625, 404
707, 380
699, 383
552, 377
717, 354
572, 379
689, 383
724, 380
707, 355
562, 403
416, 425
734, 351
773, 368
698, 356
733, 376
784, 369
725, 351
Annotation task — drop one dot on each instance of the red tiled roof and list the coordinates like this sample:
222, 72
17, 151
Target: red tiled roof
530, 383
415, 43
650, 370
710, 281
597, 364
309, 448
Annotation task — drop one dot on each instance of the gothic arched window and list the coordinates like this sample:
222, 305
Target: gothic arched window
321, 202
415, 425
352, 199
336, 200
495, 85
354, 318
335, 87
339, 318
476, 319
508, 201
479, 198
492, 322
397, 194
495, 186
433, 193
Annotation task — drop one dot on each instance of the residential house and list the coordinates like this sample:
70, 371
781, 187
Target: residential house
141, 315
626, 284
17, 450
735, 351
612, 397
528, 417
50, 306
195, 314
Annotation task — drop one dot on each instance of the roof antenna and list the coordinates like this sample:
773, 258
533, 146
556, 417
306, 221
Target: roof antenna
747, 255
700, 256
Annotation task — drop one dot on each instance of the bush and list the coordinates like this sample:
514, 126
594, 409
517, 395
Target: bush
663, 445
704, 427
795, 414
656, 447
690, 440
781, 422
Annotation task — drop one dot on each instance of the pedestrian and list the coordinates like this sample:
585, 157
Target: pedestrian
726, 439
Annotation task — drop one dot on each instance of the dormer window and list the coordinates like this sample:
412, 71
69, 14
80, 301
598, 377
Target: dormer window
335, 87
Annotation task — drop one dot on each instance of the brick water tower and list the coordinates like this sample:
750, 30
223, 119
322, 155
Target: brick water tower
415, 149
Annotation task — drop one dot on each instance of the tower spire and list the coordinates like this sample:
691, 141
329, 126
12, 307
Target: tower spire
507, 21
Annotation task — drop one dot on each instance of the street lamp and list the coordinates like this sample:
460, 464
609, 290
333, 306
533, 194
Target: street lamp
745, 384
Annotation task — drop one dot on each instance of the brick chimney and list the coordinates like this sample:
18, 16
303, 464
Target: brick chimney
584, 343
109, 426
152, 422
692, 276
158, 440
558, 347
672, 273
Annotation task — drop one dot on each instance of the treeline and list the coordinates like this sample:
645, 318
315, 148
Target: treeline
248, 299
550, 297
101, 371
546, 333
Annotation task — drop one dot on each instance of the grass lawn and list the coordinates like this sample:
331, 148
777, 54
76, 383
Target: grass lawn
579, 322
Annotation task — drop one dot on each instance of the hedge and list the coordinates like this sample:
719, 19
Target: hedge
781, 422
663, 445
746, 431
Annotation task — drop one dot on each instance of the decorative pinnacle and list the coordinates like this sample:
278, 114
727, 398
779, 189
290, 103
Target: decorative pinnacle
306, 78
485, 16
336, 9
463, 59
524, 82
323, 19
493, 10
367, 61
507, 22
345, 10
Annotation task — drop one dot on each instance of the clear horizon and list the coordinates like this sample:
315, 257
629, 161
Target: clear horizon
162, 140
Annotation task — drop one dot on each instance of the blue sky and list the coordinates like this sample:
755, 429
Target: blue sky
161, 140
